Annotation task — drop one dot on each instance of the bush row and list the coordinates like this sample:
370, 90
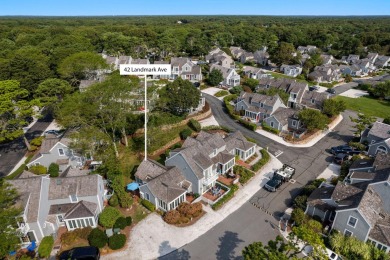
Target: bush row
216, 127
46, 246
225, 198
265, 157
247, 124
185, 133
195, 125
184, 213
269, 129
149, 205
229, 107
245, 174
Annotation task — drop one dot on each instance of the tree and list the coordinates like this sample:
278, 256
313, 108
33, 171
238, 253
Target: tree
109, 216
284, 54
333, 107
54, 170
8, 217
348, 78
15, 108
180, 96
300, 202
386, 120
80, 66
298, 216
309, 234
52, 91
215, 77
382, 90
362, 122
252, 83
46, 246
275, 250
272, 91
313, 119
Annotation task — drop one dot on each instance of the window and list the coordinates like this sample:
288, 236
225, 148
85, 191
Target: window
73, 198
90, 220
60, 218
147, 196
294, 123
261, 105
352, 221
61, 152
70, 224
312, 101
348, 233
272, 124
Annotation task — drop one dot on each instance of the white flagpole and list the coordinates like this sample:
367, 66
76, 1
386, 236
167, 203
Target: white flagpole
146, 122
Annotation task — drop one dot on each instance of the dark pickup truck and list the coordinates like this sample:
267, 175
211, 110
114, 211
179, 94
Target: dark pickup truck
344, 149
280, 176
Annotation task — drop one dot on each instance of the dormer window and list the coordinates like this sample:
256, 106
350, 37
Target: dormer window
61, 152
73, 198
313, 101
261, 105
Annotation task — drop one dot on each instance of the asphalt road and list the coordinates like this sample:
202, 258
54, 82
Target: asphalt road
249, 224
11, 153
344, 87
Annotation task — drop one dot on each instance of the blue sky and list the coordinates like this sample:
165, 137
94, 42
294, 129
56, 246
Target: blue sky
194, 7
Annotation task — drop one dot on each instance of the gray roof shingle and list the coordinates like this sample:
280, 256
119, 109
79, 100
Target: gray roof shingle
380, 130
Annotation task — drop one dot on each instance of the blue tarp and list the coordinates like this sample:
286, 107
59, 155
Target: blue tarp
32, 246
132, 186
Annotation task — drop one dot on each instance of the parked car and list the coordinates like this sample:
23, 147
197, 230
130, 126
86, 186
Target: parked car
340, 158
81, 253
344, 149
314, 88
332, 255
331, 90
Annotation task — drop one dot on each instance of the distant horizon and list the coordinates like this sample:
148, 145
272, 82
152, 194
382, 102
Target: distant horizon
189, 15
71, 8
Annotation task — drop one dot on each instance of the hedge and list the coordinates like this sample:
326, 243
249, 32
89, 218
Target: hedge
113, 201
247, 124
185, 133
229, 107
38, 169
225, 198
245, 174
265, 157
120, 223
46, 246
97, 238
109, 216
149, 205
216, 127
117, 241
269, 129
195, 125
128, 221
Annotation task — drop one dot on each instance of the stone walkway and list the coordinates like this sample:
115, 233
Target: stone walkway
153, 238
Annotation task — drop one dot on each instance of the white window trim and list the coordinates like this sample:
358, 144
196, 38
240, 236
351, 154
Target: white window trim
70, 197
348, 231
63, 151
350, 219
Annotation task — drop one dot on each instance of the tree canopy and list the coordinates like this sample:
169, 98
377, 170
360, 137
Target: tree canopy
215, 77
313, 119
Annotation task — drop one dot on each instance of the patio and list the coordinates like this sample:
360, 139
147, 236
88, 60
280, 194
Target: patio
228, 180
213, 195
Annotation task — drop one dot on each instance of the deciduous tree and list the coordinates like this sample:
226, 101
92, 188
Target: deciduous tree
215, 77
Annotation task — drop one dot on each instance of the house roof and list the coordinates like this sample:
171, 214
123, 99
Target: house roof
321, 194
361, 163
32, 187
349, 196
168, 186
282, 114
61, 188
140, 61
317, 97
380, 130
161, 62
149, 169
82, 209
225, 71
259, 98
238, 140
26, 174
222, 157
362, 175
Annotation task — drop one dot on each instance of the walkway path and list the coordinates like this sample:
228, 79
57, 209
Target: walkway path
152, 237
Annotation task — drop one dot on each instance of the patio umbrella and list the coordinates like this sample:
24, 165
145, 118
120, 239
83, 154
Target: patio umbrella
132, 186
32, 246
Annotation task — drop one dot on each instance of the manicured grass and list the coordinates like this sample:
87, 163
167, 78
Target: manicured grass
280, 75
221, 93
158, 138
368, 106
19, 171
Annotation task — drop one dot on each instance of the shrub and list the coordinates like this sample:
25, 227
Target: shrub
113, 201
38, 169
247, 124
225, 198
68, 238
125, 201
46, 246
129, 220
358, 145
317, 182
267, 128
83, 233
149, 205
120, 223
37, 141
54, 170
236, 90
183, 220
300, 202
97, 238
298, 216
184, 208
185, 133
109, 216
221, 93
172, 217
229, 107
245, 174
117, 241
265, 157
308, 189
195, 125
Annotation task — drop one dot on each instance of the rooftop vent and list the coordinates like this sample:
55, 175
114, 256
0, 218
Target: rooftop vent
58, 181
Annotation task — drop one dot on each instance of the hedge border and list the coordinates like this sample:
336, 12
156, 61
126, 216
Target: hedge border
265, 157
225, 198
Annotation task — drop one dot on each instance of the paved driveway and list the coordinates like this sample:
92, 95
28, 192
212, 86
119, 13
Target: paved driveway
249, 224
12, 153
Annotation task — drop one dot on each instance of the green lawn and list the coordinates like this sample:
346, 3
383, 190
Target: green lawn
280, 75
368, 106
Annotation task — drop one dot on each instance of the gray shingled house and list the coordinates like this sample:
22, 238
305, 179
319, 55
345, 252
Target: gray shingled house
377, 137
56, 150
314, 99
217, 56
359, 206
49, 203
186, 69
164, 186
230, 76
202, 159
